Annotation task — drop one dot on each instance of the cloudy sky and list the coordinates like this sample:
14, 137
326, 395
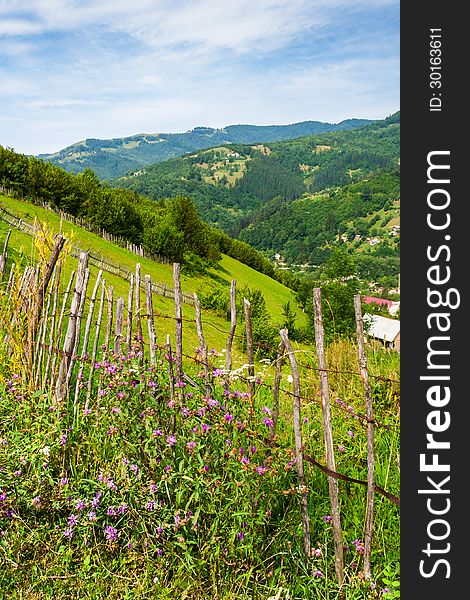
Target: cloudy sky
75, 69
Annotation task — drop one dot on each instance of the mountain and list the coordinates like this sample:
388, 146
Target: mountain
118, 156
296, 198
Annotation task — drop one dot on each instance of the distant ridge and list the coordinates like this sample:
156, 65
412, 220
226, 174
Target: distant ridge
111, 158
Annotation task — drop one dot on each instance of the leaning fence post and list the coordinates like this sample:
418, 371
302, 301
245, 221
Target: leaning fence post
138, 322
233, 324
69, 343
328, 434
150, 319
179, 321
86, 335
299, 459
172, 380
118, 330
109, 323
4, 255
202, 344
129, 313
249, 345
276, 388
369, 521
60, 327
95, 344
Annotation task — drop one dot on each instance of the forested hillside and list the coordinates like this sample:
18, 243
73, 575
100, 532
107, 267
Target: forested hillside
118, 156
170, 229
296, 198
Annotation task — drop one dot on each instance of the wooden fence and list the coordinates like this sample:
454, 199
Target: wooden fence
70, 329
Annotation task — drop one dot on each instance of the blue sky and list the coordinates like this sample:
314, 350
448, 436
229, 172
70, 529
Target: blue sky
75, 69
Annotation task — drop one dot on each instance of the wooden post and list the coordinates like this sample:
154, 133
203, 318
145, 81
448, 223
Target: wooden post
172, 380
53, 325
138, 323
328, 435
42, 339
79, 320
276, 386
249, 345
59, 328
86, 335
41, 292
299, 459
109, 323
369, 521
179, 321
95, 343
69, 343
233, 325
202, 345
4, 255
118, 330
150, 320
129, 313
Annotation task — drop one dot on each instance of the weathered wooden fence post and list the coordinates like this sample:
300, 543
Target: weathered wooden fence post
59, 329
150, 320
276, 388
130, 299
118, 329
95, 343
249, 345
202, 345
4, 255
86, 335
299, 459
328, 435
233, 325
109, 322
369, 521
71, 334
138, 322
179, 321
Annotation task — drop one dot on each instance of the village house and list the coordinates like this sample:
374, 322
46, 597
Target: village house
383, 330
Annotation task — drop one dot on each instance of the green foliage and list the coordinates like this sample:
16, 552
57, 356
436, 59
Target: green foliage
118, 156
338, 282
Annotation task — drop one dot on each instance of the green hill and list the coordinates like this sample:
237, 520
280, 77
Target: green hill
22, 251
118, 156
282, 197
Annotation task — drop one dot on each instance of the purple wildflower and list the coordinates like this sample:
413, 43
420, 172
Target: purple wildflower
73, 520
228, 417
68, 533
240, 535
111, 533
327, 518
171, 440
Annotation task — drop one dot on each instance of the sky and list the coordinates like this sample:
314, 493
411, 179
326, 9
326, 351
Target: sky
77, 69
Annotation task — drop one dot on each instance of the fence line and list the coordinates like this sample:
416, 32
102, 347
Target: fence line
67, 357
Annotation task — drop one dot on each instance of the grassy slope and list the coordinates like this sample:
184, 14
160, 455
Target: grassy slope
20, 249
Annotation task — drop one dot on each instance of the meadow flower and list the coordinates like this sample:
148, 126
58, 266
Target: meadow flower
205, 427
245, 460
171, 440
267, 410
63, 439
350, 433
157, 433
73, 520
191, 445
68, 533
327, 518
317, 552
268, 422
261, 470
80, 505
110, 483
228, 417
341, 448
36, 501
91, 515
111, 533
317, 573
240, 535
151, 504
